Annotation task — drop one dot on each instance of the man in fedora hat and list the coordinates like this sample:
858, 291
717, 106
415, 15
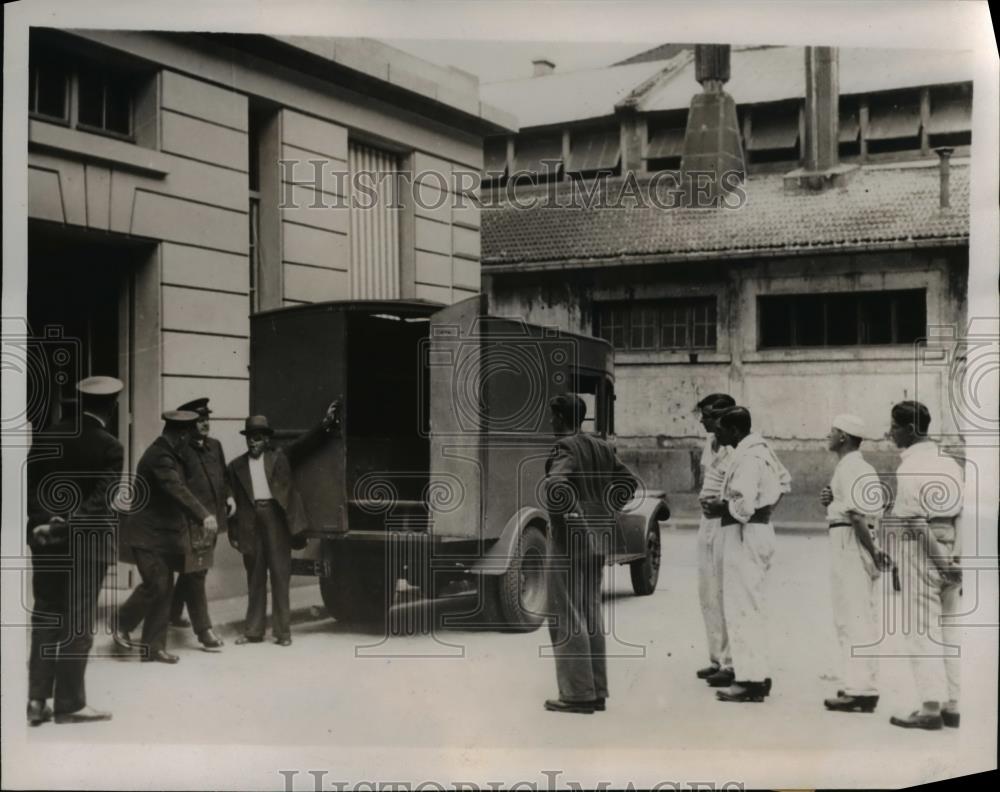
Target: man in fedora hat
157, 532
205, 463
85, 460
853, 501
270, 519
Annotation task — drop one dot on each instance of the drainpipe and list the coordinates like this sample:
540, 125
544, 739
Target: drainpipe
945, 152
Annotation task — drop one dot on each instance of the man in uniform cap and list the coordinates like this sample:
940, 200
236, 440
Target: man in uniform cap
714, 459
71, 541
205, 463
928, 503
585, 486
853, 501
157, 534
754, 482
270, 519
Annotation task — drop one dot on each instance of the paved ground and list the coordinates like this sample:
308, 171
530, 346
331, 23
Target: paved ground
469, 690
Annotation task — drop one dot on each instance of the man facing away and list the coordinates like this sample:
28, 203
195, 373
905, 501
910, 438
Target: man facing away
270, 519
205, 463
853, 500
922, 526
752, 486
158, 533
71, 541
714, 458
585, 486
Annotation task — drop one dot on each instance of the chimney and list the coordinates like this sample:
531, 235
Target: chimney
543, 66
945, 153
821, 167
712, 146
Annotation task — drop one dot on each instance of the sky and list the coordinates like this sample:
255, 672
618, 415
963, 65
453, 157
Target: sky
493, 61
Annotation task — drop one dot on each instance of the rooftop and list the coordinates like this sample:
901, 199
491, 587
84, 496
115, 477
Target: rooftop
759, 74
882, 206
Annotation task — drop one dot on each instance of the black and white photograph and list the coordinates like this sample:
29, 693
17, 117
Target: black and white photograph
470, 396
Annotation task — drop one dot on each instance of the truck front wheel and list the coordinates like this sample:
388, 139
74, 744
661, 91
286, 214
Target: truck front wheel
645, 572
518, 595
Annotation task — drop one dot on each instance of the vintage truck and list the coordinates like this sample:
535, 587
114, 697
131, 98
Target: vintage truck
435, 478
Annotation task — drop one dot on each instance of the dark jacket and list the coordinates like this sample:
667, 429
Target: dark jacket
584, 476
74, 475
164, 521
205, 464
278, 465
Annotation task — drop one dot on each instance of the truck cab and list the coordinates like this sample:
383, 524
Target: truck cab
436, 476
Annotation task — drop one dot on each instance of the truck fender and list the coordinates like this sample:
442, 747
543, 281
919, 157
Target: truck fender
496, 560
642, 512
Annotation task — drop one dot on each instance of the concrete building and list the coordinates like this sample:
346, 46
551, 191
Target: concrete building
160, 216
800, 303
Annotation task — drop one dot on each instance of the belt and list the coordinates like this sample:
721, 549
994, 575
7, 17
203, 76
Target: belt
264, 501
762, 515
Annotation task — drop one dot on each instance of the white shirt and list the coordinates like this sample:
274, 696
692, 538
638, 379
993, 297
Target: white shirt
714, 462
258, 478
928, 484
755, 478
856, 488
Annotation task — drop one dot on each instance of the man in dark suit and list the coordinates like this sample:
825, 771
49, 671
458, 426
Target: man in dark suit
157, 534
585, 486
205, 463
270, 520
73, 473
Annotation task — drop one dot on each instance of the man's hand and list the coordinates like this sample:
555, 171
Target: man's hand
713, 507
210, 524
882, 560
333, 414
230, 506
826, 496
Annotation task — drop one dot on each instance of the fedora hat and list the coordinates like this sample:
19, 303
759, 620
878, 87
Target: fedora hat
257, 424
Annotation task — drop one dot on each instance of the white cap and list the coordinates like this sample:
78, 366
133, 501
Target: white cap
851, 424
100, 386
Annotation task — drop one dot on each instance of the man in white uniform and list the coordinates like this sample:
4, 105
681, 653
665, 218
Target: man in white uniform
929, 493
753, 484
714, 457
853, 502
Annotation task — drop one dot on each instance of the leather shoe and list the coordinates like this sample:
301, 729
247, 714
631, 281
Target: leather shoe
286, 641
949, 719
248, 639
160, 656
38, 712
919, 720
723, 677
209, 639
845, 703
180, 621
85, 715
599, 705
741, 692
707, 671
123, 640
580, 707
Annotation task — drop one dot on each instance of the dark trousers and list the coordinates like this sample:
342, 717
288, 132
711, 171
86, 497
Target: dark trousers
189, 590
65, 591
575, 575
150, 602
272, 554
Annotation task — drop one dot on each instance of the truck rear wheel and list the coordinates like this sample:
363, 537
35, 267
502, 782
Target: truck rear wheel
645, 572
517, 596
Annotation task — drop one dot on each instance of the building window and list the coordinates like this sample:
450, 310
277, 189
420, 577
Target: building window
538, 158
658, 325
48, 90
104, 101
375, 242
950, 121
774, 133
893, 122
847, 319
666, 141
594, 151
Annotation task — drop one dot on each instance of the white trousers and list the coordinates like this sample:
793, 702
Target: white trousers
933, 646
855, 612
747, 552
710, 556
